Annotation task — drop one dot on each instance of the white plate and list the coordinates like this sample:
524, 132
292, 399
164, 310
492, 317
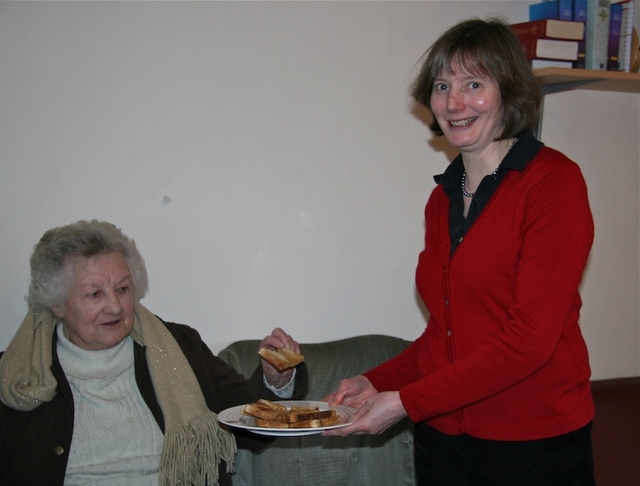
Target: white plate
233, 417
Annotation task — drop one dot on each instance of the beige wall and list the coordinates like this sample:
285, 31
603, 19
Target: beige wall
266, 158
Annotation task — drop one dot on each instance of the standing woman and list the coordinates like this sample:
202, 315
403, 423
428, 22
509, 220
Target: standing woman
498, 384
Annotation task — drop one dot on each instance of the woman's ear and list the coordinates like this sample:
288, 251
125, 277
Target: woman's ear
57, 310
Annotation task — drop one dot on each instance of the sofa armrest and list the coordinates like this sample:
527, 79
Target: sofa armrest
316, 460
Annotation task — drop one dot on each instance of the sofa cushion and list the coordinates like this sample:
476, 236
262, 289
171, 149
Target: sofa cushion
325, 461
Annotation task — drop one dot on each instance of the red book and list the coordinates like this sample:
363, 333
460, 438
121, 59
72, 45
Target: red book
550, 49
550, 29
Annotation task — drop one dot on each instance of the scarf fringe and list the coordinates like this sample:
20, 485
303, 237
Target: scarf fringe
190, 455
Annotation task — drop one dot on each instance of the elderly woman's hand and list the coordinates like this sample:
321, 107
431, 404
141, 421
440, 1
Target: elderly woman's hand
276, 340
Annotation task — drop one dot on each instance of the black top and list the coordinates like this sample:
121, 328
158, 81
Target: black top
517, 158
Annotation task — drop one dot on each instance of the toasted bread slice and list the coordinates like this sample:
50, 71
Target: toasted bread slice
300, 409
266, 410
282, 358
317, 415
272, 424
277, 407
320, 422
277, 416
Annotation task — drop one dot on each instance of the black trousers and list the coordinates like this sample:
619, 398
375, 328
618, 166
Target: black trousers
462, 460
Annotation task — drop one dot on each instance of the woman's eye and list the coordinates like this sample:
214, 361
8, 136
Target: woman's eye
123, 290
440, 87
474, 85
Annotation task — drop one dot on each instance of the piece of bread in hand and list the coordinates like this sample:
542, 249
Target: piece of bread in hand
282, 358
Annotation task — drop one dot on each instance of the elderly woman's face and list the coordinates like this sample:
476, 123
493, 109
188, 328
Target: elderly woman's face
98, 311
468, 108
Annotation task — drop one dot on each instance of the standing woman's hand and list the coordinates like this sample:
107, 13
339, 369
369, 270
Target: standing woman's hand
278, 339
376, 415
353, 392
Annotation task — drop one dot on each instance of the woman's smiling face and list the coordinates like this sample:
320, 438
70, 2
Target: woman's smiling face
468, 108
98, 312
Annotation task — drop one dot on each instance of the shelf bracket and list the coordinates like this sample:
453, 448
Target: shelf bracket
559, 87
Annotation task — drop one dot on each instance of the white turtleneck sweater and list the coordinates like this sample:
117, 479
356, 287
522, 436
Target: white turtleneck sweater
116, 441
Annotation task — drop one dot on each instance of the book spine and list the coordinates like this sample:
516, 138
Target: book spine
614, 36
626, 29
580, 15
565, 9
543, 10
541, 29
551, 9
536, 29
597, 34
560, 50
543, 63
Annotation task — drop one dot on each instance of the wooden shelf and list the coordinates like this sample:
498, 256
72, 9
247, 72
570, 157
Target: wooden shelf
554, 80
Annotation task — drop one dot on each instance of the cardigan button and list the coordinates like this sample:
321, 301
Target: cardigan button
449, 333
58, 450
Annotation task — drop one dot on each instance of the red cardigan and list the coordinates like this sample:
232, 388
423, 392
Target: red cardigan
502, 357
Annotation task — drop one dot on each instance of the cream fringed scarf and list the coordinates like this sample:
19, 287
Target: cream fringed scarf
194, 442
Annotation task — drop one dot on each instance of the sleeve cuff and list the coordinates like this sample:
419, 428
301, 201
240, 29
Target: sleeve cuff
284, 392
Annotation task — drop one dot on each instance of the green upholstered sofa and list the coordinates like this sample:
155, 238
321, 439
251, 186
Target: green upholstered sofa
360, 460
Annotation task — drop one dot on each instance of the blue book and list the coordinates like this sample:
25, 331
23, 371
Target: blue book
615, 24
579, 10
565, 9
543, 10
580, 15
551, 9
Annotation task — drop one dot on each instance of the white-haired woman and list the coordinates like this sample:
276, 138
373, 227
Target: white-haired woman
96, 389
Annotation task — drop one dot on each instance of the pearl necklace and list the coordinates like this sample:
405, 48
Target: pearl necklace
471, 194
464, 174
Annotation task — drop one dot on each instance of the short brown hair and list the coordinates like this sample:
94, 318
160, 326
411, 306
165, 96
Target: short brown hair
490, 48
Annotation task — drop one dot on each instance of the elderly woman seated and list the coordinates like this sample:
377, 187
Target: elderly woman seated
96, 389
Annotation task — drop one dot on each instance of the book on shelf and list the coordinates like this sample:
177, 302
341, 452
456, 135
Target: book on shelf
615, 23
597, 34
551, 9
565, 9
545, 63
579, 12
550, 29
580, 15
625, 56
559, 50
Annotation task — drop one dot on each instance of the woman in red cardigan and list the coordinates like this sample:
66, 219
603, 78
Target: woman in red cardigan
498, 384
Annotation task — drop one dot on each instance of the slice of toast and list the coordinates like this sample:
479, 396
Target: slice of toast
303, 424
320, 422
282, 358
301, 409
271, 424
277, 416
266, 410
293, 417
